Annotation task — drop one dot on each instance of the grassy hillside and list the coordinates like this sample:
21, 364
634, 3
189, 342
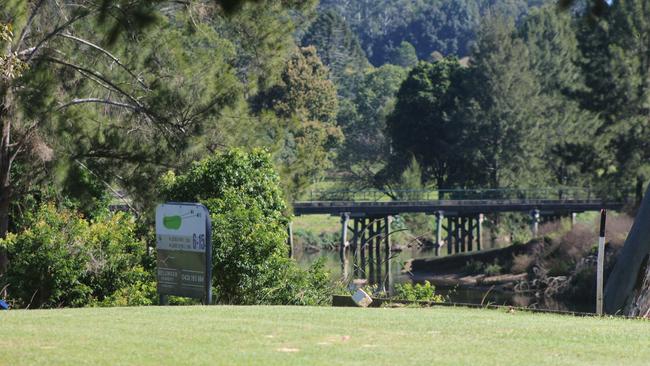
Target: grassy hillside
316, 336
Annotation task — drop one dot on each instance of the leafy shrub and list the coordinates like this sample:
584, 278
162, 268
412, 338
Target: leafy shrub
418, 292
323, 240
249, 239
474, 267
493, 269
62, 259
140, 290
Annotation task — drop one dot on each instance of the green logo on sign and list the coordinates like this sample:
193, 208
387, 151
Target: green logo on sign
172, 222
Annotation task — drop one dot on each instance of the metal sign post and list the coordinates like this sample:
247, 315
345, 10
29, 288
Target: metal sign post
601, 263
184, 246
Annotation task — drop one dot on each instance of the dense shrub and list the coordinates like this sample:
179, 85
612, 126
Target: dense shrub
62, 259
418, 292
249, 236
323, 240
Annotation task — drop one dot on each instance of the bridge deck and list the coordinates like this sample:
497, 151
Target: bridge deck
452, 206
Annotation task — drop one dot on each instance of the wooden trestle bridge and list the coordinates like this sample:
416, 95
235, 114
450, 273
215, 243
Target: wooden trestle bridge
366, 217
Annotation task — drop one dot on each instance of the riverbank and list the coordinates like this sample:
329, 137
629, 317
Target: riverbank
555, 272
224, 335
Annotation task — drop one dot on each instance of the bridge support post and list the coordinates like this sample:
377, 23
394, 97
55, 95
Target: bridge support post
457, 244
534, 218
450, 235
355, 248
573, 219
362, 248
387, 284
439, 217
290, 238
470, 233
345, 218
378, 240
479, 232
371, 251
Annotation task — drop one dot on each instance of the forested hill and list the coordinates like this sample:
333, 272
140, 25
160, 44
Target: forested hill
447, 27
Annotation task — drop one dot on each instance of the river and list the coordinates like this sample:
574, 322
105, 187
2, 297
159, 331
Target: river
452, 294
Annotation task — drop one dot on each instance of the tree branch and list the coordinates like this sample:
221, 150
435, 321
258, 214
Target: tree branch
98, 101
28, 26
104, 51
54, 33
22, 142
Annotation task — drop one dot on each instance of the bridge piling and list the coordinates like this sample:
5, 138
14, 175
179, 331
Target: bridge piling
470, 234
371, 251
362, 248
355, 249
345, 218
387, 248
450, 235
534, 216
479, 232
439, 217
457, 234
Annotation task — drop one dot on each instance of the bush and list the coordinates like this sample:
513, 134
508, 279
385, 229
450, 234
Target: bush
425, 292
493, 269
249, 238
325, 240
62, 259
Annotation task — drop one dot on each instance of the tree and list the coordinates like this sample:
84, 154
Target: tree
617, 68
363, 120
78, 91
504, 118
404, 55
337, 46
32, 32
423, 123
307, 99
552, 44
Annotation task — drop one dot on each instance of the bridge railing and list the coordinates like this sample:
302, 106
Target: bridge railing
375, 195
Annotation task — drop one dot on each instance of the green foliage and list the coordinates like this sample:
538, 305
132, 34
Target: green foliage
404, 55
62, 259
417, 292
474, 267
337, 46
363, 120
445, 26
307, 100
493, 269
241, 191
321, 240
423, 123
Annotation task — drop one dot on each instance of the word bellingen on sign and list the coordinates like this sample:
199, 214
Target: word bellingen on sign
184, 246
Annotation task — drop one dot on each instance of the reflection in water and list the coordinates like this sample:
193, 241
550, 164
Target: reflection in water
345, 271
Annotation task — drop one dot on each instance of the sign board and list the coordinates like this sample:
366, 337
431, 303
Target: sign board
183, 243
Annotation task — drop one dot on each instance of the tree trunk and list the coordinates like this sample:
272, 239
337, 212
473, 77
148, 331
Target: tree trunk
5, 169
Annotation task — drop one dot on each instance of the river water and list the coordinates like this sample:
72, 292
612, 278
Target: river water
452, 294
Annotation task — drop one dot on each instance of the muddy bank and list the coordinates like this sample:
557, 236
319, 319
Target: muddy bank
452, 264
469, 270
562, 268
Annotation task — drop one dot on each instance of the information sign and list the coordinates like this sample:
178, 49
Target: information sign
183, 243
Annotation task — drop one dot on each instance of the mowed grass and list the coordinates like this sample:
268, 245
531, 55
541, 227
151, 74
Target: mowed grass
223, 335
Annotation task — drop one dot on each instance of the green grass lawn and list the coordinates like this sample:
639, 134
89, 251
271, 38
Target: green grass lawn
221, 335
